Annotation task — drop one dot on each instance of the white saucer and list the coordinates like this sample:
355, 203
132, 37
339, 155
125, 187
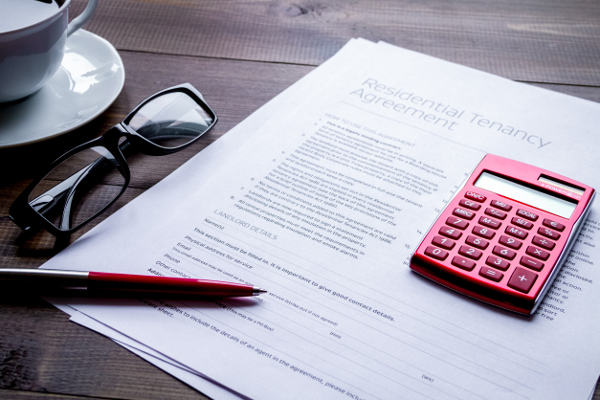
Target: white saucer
89, 79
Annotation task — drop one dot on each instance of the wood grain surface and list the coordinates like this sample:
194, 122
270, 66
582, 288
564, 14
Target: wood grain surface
240, 54
532, 40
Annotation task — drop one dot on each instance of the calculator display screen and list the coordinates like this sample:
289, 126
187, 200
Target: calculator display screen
526, 194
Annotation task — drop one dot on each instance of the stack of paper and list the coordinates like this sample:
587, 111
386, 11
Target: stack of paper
320, 197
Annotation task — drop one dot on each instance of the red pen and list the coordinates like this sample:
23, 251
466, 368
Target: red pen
106, 283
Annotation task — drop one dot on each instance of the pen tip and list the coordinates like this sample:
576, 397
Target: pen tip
257, 291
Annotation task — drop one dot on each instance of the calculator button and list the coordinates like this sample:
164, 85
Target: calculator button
553, 224
545, 243
463, 263
497, 262
510, 242
501, 205
532, 263
491, 223
548, 233
491, 273
469, 204
457, 222
523, 223
436, 253
504, 252
443, 242
459, 212
537, 253
516, 232
527, 214
452, 233
483, 232
470, 252
477, 242
475, 196
495, 213
522, 280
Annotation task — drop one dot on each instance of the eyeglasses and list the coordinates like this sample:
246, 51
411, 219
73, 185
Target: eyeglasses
85, 181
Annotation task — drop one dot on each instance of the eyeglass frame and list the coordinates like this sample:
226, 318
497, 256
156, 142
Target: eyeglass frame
22, 213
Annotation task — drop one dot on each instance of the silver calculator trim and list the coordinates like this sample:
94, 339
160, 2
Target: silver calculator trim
563, 255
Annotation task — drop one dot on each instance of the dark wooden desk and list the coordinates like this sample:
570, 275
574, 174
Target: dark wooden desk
241, 54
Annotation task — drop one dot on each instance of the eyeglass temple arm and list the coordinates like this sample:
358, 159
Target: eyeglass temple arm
48, 199
65, 218
51, 198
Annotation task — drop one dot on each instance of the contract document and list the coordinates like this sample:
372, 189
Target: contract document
320, 197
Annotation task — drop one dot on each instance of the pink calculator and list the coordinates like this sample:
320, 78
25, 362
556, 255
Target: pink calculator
505, 235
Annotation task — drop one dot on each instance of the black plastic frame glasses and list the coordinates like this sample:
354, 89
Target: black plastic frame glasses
28, 212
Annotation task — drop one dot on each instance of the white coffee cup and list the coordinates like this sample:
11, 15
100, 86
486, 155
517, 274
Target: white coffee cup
32, 42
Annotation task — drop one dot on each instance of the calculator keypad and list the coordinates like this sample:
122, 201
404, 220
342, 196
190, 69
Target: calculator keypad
497, 262
459, 223
452, 233
532, 263
501, 205
491, 238
542, 242
483, 232
537, 253
477, 242
527, 214
504, 252
495, 213
553, 224
459, 212
491, 273
475, 196
470, 204
510, 242
523, 223
516, 232
443, 242
549, 233
436, 252
522, 279
463, 263
489, 222
470, 252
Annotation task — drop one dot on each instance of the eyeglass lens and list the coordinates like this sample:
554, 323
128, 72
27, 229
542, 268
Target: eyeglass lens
171, 120
78, 188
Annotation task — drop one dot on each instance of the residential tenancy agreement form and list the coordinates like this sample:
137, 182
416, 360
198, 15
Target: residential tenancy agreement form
320, 198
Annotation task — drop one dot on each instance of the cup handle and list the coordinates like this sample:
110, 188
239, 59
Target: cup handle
82, 18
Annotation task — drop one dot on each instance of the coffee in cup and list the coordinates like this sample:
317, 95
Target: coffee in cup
32, 42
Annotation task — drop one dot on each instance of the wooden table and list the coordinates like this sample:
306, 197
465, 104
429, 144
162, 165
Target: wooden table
241, 54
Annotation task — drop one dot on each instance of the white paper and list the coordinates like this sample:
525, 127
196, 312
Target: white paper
344, 316
193, 378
